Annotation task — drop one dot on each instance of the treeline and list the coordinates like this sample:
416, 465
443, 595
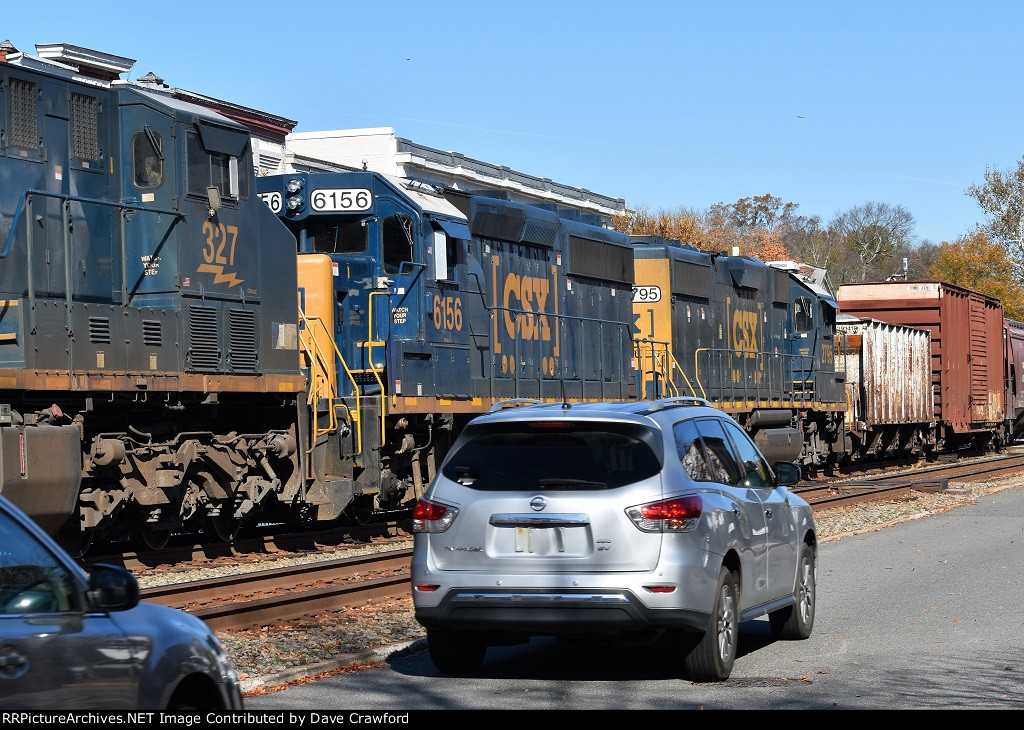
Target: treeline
869, 242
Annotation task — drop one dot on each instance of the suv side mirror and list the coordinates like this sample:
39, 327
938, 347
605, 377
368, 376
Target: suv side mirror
787, 473
112, 588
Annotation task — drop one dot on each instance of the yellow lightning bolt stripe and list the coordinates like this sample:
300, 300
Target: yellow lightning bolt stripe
220, 277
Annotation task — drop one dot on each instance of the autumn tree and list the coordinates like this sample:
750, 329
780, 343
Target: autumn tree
1001, 197
680, 225
976, 262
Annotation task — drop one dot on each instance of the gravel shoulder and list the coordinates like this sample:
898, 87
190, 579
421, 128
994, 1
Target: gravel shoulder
358, 638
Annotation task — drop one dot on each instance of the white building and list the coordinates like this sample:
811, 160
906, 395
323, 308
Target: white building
379, 149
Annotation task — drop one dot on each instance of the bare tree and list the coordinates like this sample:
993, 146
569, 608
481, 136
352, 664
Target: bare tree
875, 232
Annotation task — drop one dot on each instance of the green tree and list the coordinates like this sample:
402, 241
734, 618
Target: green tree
976, 262
1001, 197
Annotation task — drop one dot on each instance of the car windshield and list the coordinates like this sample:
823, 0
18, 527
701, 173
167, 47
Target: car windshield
553, 456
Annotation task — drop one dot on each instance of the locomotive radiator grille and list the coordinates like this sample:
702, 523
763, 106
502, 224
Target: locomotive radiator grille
242, 355
203, 353
24, 114
85, 138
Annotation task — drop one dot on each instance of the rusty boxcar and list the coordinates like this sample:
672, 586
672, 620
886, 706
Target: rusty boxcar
967, 352
888, 386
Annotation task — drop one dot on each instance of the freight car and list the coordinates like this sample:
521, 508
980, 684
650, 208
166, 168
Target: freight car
969, 362
888, 387
149, 355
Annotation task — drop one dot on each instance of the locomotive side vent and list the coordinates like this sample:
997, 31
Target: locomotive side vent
243, 354
203, 354
152, 335
24, 107
85, 136
99, 330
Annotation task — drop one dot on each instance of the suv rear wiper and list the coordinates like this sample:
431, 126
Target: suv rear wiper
562, 482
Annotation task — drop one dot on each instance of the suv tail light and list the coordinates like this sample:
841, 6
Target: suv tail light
432, 517
679, 514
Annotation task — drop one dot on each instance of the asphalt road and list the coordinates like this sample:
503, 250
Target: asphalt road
927, 614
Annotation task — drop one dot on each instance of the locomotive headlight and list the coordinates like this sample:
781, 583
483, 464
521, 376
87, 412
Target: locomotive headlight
294, 185
295, 202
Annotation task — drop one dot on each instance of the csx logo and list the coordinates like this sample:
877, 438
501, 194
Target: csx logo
744, 331
526, 294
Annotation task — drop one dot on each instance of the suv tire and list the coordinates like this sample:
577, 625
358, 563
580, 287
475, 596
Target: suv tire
455, 652
708, 657
796, 621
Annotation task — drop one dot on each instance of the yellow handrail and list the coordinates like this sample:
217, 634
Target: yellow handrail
369, 357
319, 361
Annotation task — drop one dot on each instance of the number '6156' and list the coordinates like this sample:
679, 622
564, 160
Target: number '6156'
447, 313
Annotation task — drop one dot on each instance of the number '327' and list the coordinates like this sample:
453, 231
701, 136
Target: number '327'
220, 243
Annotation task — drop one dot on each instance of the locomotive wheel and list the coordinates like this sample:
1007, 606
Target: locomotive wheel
360, 510
75, 542
154, 539
225, 527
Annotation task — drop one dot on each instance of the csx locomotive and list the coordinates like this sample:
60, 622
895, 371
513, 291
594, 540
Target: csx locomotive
187, 347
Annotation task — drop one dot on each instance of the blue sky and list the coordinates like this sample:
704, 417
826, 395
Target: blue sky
826, 104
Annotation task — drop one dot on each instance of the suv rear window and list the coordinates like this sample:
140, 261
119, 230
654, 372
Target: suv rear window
553, 456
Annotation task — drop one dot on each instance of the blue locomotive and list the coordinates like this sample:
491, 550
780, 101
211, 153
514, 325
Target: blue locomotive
149, 361
424, 307
758, 341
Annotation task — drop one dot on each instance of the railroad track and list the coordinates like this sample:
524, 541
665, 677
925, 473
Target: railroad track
902, 484
264, 597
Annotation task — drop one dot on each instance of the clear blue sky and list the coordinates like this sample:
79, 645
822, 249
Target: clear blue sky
672, 103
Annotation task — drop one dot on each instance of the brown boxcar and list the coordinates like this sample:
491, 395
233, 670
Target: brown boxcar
967, 348
1015, 377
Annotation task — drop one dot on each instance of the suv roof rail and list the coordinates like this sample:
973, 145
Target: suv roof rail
513, 403
677, 402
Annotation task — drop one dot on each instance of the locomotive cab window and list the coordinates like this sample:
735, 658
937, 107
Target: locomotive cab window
803, 314
397, 242
216, 168
447, 248
147, 159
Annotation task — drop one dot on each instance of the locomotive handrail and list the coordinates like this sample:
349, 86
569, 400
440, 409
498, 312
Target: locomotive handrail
562, 320
369, 359
25, 196
494, 312
797, 363
25, 207
657, 350
351, 377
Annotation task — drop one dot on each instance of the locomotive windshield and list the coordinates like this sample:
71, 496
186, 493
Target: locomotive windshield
334, 236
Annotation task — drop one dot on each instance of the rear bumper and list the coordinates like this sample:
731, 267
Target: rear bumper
545, 612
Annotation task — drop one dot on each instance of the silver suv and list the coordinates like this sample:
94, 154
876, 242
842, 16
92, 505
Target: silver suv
617, 521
